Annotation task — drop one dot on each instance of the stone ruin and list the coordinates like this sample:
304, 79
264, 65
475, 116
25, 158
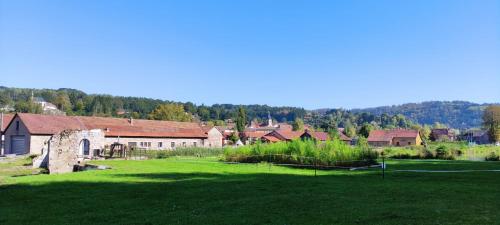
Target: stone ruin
63, 151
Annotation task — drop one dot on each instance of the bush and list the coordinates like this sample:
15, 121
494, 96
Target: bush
492, 157
442, 152
161, 154
304, 152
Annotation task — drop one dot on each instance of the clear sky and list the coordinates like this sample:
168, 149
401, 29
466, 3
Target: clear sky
310, 53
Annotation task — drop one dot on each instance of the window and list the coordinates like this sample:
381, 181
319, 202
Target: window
397, 143
194, 144
409, 143
160, 144
172, 144
17, 125
145, 144
183, 144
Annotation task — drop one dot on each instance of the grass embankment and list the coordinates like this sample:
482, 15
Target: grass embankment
304, 152
205, 191
444, 150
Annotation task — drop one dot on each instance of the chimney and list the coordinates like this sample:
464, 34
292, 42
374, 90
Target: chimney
131, 121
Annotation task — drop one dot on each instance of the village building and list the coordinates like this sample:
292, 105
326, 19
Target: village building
442, 134
324, 136
479, 137
397, 137
47, 107
4, 121
29, 133
281, 135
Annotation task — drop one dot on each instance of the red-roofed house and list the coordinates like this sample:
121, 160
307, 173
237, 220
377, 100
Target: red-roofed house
29, 133
323, 136
282, 135
398, 137
4, 121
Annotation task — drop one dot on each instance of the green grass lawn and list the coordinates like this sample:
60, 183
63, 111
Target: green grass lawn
205, 191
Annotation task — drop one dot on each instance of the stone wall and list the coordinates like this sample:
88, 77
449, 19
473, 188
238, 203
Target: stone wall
38, 144
65, 149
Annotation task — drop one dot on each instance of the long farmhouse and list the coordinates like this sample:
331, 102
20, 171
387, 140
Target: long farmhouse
29, 133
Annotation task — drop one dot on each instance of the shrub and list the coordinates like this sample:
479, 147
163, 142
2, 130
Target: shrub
304, 152
492, 157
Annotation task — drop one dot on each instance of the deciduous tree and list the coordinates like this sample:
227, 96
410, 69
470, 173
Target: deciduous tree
171, 112
491, 121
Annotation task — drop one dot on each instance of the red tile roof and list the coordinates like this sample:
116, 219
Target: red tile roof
113, 127
6, 120
255, 134
320, 136
289, 135
271, 139
388, 135
342, 136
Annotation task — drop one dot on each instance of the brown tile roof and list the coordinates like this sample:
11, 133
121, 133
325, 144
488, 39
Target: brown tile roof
388, 135
6, 120
320, 136
271, 139
255, 134
342, 136
289, 135
48, 124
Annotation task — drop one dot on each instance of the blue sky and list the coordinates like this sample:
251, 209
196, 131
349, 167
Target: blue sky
312, 54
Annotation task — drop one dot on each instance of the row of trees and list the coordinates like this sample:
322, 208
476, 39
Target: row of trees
75, 102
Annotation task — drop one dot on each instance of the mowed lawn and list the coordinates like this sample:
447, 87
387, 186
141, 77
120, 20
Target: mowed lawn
205, 191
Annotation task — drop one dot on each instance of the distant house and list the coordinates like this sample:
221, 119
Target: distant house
4, 122
398, 137
47, 107
323, 136
281, 135
252, 136
227, 132
479, 137
442, 134
29, 133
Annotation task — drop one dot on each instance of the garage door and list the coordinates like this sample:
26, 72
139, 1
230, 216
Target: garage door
18, 144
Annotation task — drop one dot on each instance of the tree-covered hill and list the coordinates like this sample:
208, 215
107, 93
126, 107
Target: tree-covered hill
76, 102
456, 114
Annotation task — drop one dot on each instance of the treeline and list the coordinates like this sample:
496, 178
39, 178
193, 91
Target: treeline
76, 102
358, 122
455, 114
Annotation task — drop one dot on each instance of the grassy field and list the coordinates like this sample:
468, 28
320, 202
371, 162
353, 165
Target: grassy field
205, 191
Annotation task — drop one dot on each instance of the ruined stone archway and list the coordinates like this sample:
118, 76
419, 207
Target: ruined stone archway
84, 147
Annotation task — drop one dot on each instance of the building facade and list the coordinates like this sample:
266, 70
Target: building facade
30, 133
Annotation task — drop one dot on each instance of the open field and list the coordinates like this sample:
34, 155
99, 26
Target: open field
205, 191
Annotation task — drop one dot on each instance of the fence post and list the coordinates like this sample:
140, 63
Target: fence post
315, 166
269, 162
383, 166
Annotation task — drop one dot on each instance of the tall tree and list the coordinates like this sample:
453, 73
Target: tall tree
171, 112
241, 119
491, 121
298, 124
365, 130
63, 102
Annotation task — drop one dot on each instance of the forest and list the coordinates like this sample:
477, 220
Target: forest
455, 114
